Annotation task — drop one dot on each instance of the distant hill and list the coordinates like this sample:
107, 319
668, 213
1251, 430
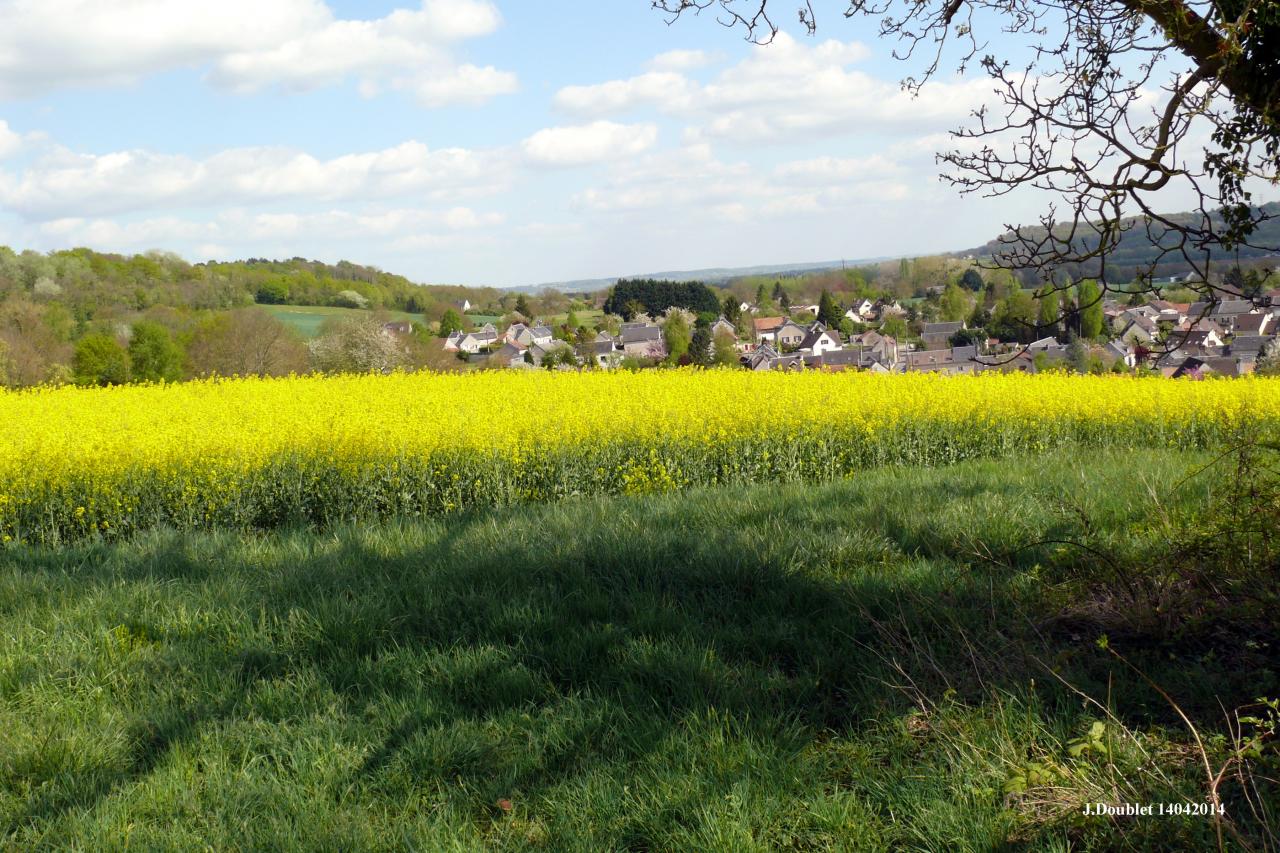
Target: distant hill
93, 285
711, 275
1137, 251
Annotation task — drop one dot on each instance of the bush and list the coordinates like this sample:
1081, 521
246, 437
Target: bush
153, 355
350, 299
100, 360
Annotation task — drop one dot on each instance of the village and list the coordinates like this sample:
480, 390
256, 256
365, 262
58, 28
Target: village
1224, 338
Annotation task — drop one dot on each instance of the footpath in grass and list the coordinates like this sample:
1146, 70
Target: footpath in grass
847, 666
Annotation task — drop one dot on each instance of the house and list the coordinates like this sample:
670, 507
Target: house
1249, 347
800, 309
465, 342
1197, 310
642, 340
883, 347
514, 331
398, 327
861, 312
1194, 339
472, 342
765, 357
847, 359
790, 334
527, 336
1173, 312
1141, 328
789, 363
1122, 352
937, 336
1254, 324
1145, 317
509, 355
747, 308
1228, 312
953, 360
538, 352
818, 341
1202, 367
1019, 361
766, 328
760, 358
606, 354
723, 325
464, 306
1202, 325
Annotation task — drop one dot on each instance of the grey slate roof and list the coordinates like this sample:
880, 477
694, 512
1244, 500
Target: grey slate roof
1232, 307
1250, 343
639, 333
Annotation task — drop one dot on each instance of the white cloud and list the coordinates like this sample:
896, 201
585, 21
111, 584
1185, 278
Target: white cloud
584, 144
63, 183
214, 237
295, 44
465, 84
148, 233
682, 60
10, 142
695, 182
667, 88
780, 91
826, 170
686, 177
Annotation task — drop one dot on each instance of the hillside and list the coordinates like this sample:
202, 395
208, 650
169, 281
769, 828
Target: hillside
1137, 251
91, 283
68, 314
710, 275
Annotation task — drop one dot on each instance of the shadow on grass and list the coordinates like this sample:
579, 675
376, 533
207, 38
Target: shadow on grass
532, 649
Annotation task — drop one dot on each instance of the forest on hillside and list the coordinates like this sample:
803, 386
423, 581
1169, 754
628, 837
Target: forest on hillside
98, 318
1138, 250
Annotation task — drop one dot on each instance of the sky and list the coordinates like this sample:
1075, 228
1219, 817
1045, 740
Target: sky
466, 141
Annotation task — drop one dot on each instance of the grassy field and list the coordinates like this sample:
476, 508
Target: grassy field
306, 320
589, 317
859, 665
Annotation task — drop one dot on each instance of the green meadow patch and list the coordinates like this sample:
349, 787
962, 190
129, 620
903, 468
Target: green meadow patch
878, 663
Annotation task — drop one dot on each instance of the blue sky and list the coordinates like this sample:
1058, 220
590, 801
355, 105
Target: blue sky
470, 141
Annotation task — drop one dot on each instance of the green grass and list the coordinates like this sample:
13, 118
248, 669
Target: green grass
590, 317
725, 669
307, 320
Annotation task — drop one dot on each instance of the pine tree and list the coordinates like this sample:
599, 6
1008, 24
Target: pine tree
1048, 320
829, 312
1090, 301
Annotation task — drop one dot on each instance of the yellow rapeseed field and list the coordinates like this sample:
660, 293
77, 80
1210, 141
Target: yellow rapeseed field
259, 452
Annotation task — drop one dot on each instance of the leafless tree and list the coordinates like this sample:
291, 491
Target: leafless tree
245, 342
1104, 106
